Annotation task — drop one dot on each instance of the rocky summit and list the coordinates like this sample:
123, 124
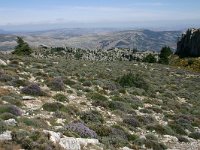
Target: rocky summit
189, 44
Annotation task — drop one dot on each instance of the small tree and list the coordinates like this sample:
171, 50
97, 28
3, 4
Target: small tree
164, 55
22, 48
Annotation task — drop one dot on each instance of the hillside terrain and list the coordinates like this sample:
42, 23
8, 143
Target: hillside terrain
58, 103
96, 39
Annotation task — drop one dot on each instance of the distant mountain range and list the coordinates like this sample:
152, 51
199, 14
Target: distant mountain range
95, 39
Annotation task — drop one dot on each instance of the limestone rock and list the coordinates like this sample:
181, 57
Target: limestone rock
6, 136
28, 98
70, 143
2, 63
10, 122
54, 136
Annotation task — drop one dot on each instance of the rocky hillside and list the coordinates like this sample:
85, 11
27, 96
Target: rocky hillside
189, 44
55, 103
96, 39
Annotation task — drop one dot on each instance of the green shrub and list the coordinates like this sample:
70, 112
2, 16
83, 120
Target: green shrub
150, 58
12, 100
177, 128
132, 80
87, 83
33, 122
92, 117
195, 135
3, 127
60, 98
10, 109
6, 116
56, 84
101, 130
183, 139
52, 107
165, 130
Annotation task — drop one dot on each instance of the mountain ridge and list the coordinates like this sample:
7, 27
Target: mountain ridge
104, 39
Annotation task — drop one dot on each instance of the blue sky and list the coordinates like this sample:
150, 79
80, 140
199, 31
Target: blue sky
39, 14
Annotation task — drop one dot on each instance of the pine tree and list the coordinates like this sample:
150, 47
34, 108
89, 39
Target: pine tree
22, 48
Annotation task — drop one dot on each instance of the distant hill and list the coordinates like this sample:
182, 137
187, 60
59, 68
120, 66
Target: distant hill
97, 39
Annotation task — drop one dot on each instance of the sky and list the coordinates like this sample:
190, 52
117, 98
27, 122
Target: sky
47, 14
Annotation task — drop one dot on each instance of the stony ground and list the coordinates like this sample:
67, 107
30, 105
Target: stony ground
69, 104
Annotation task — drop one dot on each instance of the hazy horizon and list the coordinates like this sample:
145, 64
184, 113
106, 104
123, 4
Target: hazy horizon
35, 15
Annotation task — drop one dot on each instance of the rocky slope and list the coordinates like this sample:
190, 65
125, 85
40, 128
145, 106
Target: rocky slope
189, 44
57, 103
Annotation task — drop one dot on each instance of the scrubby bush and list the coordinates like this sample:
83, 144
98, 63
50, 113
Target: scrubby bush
133, 122
81, 129
145, 119
92, 117
33, 140
52, 107
165, 130
177, 128
6, 116
101, 130
33, 89
60, 97
195, 135
96, 96
87, 83
56, 84
150, 59
36, 123
10, 109
5, 77
3, 127
132, 80
183, 139
69, 82
19, 82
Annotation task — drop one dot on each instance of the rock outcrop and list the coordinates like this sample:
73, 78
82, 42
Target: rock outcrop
70, 143
5, 136
189, 44
2, 63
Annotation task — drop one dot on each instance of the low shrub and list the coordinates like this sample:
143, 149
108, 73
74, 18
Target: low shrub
195, 135
87, 83
81, 129
56, 84
6, 116
60, 98
92, 117
183, 139
12, 100
164, 130
177, 128
133, 122
52, 107
101, 130
10, 109
96, 96
34, 122
3, 127
33, 89
132, 80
